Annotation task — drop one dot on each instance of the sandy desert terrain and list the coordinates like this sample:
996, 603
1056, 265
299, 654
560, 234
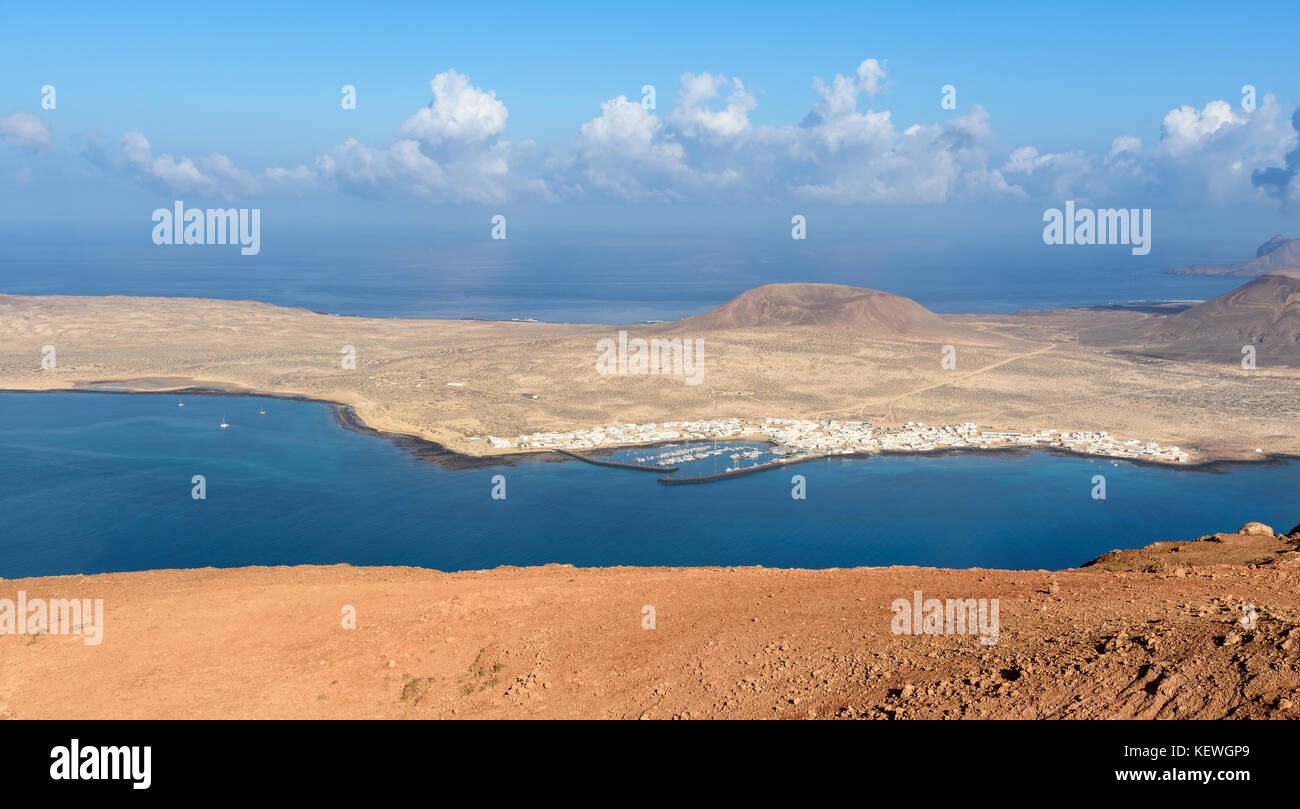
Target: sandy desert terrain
786, 351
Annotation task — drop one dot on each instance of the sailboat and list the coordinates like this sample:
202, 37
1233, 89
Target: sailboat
224, 425
180, 404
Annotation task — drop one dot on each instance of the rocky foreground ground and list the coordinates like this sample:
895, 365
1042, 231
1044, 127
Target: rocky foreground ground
1202, 629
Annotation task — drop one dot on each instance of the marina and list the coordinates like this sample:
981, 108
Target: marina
799, 439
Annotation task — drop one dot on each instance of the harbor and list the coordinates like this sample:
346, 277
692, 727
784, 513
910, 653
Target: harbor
616, 464
791, 440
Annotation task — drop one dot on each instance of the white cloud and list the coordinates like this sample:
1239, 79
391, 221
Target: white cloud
623, 152
449, 151
863, 158
1188, 129
840, 96
459, 112
694, 116
1207, 155
1053, 175
24, 129
215, 174
707, 148
404, 168
1281, 181
1122, 145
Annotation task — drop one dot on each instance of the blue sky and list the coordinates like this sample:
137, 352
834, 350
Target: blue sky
207, 74
259, 84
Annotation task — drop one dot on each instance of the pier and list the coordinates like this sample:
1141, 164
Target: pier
616, 464
741, 471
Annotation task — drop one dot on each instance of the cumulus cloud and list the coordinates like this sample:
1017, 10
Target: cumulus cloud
695, 116
459, 112
21, 128
1121, 146
1281, 182
1054, 174
845, 150
624, 152
1210, 154
707, 147
840, 96
449, 151
1187, 129
1215, 154
215, 175
405, 167
864, 158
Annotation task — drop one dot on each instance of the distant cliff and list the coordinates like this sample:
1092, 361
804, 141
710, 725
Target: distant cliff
1278, 253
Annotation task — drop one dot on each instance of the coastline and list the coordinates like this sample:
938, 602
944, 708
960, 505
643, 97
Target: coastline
458, 384
433, 452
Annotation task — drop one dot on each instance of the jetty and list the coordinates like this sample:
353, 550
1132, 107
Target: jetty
741, 471
616, 464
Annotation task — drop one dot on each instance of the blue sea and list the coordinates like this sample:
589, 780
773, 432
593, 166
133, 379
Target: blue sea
100, 482
587, 278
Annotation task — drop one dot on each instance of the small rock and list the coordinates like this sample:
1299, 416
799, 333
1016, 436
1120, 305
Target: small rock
1290, 639
1256, 529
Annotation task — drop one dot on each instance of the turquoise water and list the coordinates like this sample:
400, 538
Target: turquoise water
97, 482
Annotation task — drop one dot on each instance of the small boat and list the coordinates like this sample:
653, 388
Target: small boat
180, 404
224, 425
261, 412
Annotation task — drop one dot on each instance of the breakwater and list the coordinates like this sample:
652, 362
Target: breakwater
617, 464
741, 471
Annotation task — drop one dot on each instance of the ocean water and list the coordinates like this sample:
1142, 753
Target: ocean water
585, 278
98, 482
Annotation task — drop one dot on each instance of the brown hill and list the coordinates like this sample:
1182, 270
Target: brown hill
1277, 254
1254, 544
1264, 313
1143, 636
869, 312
